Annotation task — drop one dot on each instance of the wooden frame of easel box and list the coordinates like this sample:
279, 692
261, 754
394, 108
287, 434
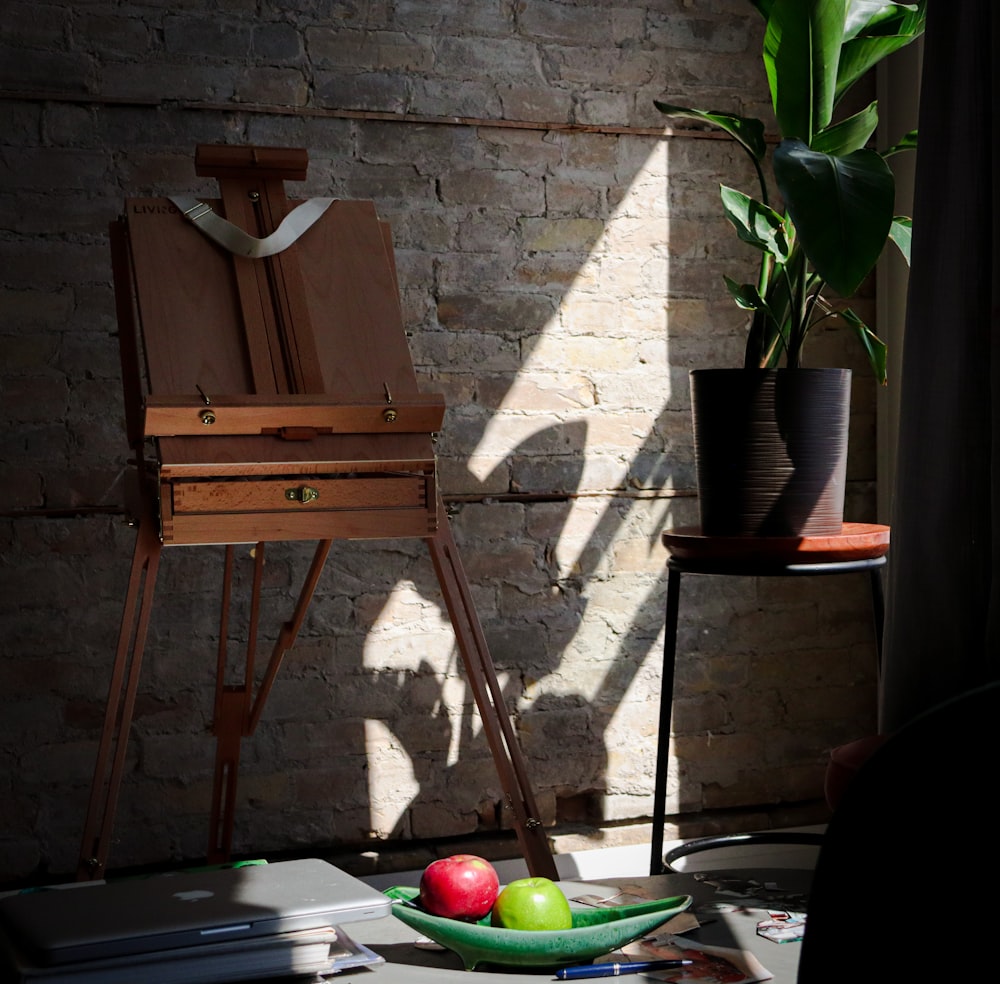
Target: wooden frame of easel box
273, 398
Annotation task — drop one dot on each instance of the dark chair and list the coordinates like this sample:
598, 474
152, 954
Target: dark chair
845, 761
905, 882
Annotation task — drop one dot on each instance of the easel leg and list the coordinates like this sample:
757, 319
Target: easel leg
229, 725
237, 712
289, 631
231, 713
121, 702
488, 694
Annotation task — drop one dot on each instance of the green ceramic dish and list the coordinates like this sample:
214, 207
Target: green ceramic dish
594, 932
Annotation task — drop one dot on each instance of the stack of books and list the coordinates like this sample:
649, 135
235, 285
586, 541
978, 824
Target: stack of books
211, 926
306, 953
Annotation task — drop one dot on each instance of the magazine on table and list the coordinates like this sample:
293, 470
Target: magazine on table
709, 964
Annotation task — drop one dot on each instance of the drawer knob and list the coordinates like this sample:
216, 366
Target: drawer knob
304, 493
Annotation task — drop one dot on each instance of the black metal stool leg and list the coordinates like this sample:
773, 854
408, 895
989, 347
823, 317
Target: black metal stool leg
663, 732
878, 611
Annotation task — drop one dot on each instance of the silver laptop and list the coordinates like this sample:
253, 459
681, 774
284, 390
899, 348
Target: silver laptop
93, 921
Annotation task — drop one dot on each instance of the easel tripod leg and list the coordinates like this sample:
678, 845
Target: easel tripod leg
231, 714
121, 703
488, 694
237, 710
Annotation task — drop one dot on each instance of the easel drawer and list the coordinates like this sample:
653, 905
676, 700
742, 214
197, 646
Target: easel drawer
330, 524
298, 493
297, 507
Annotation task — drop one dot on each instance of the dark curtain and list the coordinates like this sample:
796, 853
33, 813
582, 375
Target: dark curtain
943, 599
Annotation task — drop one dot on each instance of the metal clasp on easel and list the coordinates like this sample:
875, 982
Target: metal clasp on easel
304, 493
207, 417
389, 414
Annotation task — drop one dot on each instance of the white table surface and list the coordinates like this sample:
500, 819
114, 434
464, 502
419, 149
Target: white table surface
725, 922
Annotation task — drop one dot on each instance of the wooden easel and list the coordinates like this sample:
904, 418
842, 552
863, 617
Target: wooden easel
279, 403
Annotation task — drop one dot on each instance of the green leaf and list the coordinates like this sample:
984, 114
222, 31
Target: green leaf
763, 7
801, 53
857, 57
874, 347
756, 223
901, 233
873, 31
877, 17
745, 130
848, 135
746, 295
841, 208
908, 142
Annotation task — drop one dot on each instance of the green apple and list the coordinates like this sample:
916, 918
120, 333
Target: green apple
532, 904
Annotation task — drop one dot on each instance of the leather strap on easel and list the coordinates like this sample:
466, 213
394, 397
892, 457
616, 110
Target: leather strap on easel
234, 239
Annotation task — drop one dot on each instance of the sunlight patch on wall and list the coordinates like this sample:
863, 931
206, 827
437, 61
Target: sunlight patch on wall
583, 391
407, 629
412, 640
392, 785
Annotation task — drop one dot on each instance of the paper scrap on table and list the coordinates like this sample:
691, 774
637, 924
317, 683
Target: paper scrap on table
710, 964
683, 922
783, 927
609, 901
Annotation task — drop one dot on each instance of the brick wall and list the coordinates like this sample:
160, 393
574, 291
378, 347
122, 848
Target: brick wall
560, 258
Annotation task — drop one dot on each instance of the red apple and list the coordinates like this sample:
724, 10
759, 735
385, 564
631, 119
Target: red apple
460, 887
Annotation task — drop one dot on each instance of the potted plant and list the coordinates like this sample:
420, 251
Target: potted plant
836, 216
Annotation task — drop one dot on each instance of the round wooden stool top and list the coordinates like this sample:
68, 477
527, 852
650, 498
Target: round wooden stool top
857, 544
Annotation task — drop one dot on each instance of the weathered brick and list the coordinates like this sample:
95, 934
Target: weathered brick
206, 36
561, 235
531, 103
276, 42
557, 284
369, 50
116, 35
27, 70
273, 87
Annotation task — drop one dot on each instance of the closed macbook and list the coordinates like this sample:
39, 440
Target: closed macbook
85, 922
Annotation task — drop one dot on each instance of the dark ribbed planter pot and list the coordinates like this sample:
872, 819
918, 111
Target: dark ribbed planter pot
771, 450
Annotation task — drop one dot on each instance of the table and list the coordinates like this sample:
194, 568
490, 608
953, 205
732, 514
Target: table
859, 547
406, 964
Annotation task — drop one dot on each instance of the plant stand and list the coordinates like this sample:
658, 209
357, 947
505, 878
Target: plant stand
859, 548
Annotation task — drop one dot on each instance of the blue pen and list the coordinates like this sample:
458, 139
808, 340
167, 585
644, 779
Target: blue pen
617, 969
